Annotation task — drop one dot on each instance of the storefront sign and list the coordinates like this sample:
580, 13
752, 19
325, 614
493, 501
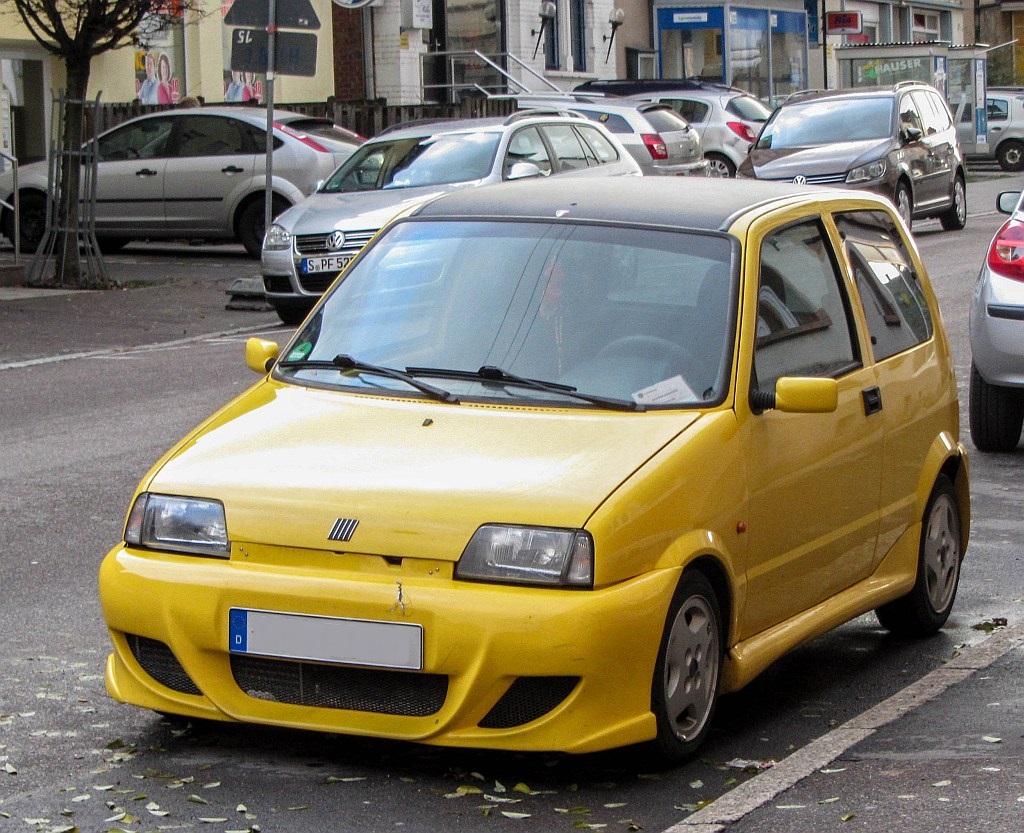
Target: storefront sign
690, 17
843, 23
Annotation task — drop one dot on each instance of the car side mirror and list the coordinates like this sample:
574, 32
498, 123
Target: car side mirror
260, 355
524, 170
911, 134
798, 395
1006, 202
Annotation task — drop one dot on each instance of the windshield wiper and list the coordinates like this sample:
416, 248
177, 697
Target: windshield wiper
490, 373
345, 362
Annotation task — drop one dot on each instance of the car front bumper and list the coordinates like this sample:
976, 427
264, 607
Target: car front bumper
503, 667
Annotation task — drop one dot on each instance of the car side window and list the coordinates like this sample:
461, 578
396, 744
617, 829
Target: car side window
603, 149
211, 136
909, 115
998, 109
526, 146
803, 312
567, 146
145, 139
890, 290
933, 112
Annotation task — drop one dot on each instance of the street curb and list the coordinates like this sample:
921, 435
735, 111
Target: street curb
759, 790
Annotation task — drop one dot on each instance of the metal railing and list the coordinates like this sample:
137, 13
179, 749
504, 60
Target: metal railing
455, 76
14, 207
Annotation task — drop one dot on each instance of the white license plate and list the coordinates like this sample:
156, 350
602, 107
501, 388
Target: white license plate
330, 263
325, 639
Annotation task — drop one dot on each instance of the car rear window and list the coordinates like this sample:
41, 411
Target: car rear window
665, 120
749, 108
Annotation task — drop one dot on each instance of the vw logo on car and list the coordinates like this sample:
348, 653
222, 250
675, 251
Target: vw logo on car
800, 179
336, 240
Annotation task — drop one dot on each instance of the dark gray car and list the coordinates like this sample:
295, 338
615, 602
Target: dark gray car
897, 141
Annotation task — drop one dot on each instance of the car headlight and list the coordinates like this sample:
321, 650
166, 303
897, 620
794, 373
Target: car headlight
873, 170
277, 237
528, 555
191, 525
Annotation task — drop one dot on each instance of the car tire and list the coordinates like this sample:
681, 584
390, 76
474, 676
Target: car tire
926, 608
249, 227
904, 202
996, 414
956, 217
684, 690
32, 209
291, 313
719, 165
112, 245
1010, 155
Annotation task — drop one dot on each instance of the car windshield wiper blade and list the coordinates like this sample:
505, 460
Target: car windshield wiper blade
490, 373
345, 362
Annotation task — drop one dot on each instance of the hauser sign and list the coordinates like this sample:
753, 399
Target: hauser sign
843, 23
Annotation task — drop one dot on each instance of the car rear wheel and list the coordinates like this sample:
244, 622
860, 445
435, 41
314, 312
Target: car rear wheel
996, 414
904, 203
719, 165
1010, 155
685, 686
32, 219
250, 225
926, 608
956, 218
110, 245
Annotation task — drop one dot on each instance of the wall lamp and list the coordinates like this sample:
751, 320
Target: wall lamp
547, 14
616, 17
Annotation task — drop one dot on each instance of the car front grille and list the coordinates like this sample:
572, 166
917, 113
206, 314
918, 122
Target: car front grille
157, 660
817, 179
403, 693
316, 244
527, 699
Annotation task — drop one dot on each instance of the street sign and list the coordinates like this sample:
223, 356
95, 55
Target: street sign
291, 14
295, 52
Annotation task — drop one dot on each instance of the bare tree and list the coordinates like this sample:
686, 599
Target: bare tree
76, 31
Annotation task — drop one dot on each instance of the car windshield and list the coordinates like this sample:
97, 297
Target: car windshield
482, 308
407, 163
826, 122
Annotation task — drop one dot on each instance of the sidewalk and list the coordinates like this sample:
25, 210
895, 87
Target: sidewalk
945, 754
169, 292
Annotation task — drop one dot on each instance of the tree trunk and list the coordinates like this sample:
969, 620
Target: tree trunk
67, 216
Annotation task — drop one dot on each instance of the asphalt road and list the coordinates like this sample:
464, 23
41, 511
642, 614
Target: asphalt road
91, 393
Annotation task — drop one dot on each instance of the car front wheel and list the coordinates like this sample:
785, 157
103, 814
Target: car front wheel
685, 685
926, 608
904, 203
956, 217
996, 414
719, 165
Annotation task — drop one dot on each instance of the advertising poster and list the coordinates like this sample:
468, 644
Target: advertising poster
159, 65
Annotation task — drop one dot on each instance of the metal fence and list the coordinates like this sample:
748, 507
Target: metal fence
365, 117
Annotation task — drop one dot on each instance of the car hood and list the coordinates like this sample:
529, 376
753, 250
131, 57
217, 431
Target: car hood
419, 477
361, 210
785, 163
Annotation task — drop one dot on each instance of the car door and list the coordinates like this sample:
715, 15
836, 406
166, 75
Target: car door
213, 164
130, 175
915, 151
813, 478
912, 385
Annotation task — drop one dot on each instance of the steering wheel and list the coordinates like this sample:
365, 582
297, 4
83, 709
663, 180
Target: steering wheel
644, 345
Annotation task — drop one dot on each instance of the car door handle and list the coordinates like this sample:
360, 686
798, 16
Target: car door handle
145, 172
872, 400
232, 169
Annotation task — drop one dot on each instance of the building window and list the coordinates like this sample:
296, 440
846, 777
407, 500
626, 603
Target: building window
926, 27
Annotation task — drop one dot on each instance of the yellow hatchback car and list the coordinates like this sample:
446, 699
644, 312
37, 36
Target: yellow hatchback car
551, 467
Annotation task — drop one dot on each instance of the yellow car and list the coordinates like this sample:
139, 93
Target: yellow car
551, 467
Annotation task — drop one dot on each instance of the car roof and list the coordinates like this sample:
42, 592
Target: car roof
436, 127
692, 202
856, 92
621, 86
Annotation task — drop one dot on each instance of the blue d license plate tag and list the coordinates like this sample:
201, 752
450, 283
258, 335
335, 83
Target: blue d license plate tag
325, 639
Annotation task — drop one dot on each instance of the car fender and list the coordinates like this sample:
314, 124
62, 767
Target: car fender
946, 456
256, 188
